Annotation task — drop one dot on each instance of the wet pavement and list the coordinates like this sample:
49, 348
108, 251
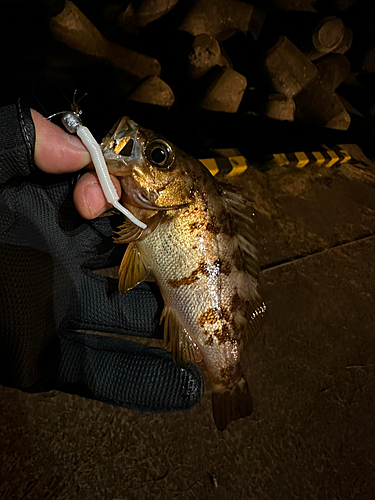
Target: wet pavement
310, 370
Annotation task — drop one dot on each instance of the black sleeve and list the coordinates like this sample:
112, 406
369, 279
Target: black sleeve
17, 140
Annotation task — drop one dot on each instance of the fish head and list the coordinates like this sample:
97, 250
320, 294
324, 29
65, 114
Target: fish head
154, 174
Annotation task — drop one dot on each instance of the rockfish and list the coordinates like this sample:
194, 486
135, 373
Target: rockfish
198, 248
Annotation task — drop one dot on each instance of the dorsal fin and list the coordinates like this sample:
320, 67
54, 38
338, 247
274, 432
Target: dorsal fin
240, 208
242, 211
178, 341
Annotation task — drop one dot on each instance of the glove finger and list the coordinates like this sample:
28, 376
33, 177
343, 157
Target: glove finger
120, 373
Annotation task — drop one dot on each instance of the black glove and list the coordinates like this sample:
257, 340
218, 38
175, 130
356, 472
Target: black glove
50, 296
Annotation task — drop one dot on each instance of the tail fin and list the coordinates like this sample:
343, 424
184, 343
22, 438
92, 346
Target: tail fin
231, 404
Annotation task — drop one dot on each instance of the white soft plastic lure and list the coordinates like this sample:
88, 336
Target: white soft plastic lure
73, 123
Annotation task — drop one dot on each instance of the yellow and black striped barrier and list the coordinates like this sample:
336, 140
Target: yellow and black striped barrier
228, 167
325, 158
236, 165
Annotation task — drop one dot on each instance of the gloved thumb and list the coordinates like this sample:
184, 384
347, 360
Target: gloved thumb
56, 151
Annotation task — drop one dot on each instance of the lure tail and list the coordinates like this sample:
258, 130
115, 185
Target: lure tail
231, 404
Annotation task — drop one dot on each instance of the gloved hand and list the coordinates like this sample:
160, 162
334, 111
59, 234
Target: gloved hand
49, 294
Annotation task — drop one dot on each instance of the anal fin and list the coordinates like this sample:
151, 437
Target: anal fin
178, 341
231, 404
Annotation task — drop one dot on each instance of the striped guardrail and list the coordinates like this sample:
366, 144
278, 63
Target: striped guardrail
236, 165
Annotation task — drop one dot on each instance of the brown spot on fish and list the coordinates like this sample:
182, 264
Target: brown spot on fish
195, 225
212, 228
224, 266
192, 278
238, 303
221, 223
209, 341
223, 334
210, 316
188, 280
213, 316
202, 268
225, 314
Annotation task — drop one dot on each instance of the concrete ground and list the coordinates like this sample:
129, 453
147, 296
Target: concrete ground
311, 372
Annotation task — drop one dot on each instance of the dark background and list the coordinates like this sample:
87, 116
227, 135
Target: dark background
311, 369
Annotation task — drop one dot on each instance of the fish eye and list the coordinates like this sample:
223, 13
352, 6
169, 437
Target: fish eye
160, 153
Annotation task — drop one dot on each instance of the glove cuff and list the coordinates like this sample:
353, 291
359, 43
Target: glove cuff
17, 141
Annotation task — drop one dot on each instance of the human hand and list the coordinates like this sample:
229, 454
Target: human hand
58, 152
51, 301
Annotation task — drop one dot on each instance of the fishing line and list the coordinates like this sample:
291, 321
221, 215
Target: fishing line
36, 98
41, 82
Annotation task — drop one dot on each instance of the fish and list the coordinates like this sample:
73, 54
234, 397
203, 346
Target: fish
200, 250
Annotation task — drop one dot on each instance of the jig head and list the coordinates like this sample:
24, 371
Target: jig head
73, 123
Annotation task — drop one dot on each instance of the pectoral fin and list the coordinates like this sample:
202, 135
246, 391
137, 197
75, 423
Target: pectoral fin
133, 270
178, 341
129, 232
109, 213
